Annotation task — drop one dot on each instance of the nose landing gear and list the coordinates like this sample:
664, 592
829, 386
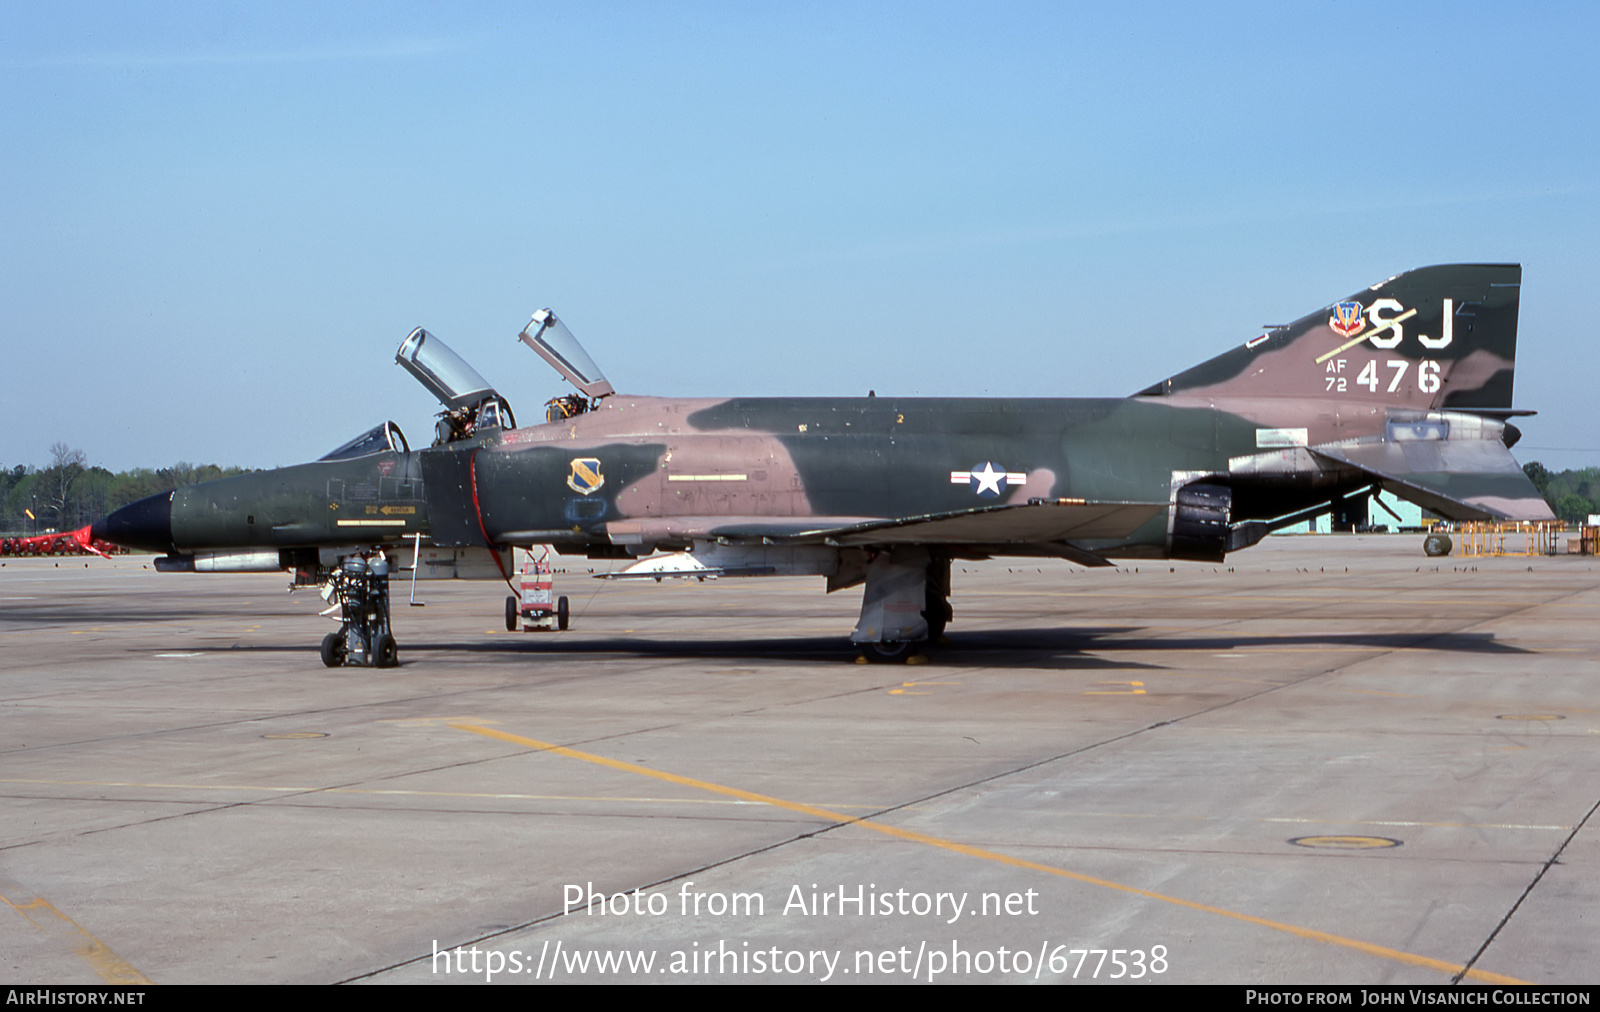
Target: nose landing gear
361, 589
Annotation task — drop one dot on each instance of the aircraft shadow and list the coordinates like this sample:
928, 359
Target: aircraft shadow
1058, 651
1074, 648
1069, 647
1447, 642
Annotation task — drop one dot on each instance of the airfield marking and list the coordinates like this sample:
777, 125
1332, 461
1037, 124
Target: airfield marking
140, 625
1219, 678
1382, 951
1131, 689
390, 791
714, 801
1486, 597
1422, 825
60, 928
908, 688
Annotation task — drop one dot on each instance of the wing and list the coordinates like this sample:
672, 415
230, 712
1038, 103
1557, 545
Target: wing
1047, 526
1035, 522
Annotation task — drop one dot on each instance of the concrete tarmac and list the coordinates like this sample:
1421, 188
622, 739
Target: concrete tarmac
1330, 760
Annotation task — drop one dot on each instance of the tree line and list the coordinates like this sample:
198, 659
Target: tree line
1572, 495
68, 493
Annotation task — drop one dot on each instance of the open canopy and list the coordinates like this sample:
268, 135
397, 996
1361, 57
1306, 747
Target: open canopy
555, 344
446, 374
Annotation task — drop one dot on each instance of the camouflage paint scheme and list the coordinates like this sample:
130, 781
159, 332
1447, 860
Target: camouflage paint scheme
1405, 386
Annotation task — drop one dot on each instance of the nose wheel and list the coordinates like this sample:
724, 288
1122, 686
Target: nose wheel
333, 650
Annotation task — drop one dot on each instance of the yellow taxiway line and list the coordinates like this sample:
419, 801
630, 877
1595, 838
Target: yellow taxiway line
1381, 951
42, 914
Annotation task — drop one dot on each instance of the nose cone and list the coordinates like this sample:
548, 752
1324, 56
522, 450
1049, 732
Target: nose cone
145, 524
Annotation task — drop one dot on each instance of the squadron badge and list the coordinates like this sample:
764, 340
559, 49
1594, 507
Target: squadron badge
585, 478
988, 480
1346, 318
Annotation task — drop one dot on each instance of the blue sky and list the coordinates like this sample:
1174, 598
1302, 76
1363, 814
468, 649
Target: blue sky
221, 219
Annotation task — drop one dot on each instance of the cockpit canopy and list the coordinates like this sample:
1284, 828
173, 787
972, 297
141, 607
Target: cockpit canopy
446, 374
555, 344
378, 439
471, 405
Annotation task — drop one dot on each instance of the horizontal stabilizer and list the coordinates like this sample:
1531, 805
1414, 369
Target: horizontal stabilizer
1460, 480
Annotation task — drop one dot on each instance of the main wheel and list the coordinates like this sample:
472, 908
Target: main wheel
385, 653
511, 613
887, 653
333, 649
561, 612
1436, 545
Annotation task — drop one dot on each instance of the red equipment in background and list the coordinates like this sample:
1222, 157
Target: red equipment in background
78, 542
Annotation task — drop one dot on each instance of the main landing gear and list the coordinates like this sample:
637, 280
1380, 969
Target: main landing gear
906, 603
361, 589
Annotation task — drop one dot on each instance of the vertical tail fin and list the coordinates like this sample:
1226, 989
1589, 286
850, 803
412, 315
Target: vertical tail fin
1434, 338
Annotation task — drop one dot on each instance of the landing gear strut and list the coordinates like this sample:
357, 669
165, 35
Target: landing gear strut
904, 605
936, 607
361, 588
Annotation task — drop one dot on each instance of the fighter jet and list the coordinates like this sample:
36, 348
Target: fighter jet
1404, 387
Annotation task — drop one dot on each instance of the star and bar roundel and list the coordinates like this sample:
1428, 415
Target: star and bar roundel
989, 479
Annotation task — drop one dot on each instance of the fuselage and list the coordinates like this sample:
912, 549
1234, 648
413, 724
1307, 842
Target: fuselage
577, 481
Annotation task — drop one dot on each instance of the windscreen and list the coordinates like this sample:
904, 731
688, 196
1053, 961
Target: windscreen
378, 439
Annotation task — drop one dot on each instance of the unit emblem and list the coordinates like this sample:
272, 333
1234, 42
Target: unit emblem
988, 480
1346, 318
585, 478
